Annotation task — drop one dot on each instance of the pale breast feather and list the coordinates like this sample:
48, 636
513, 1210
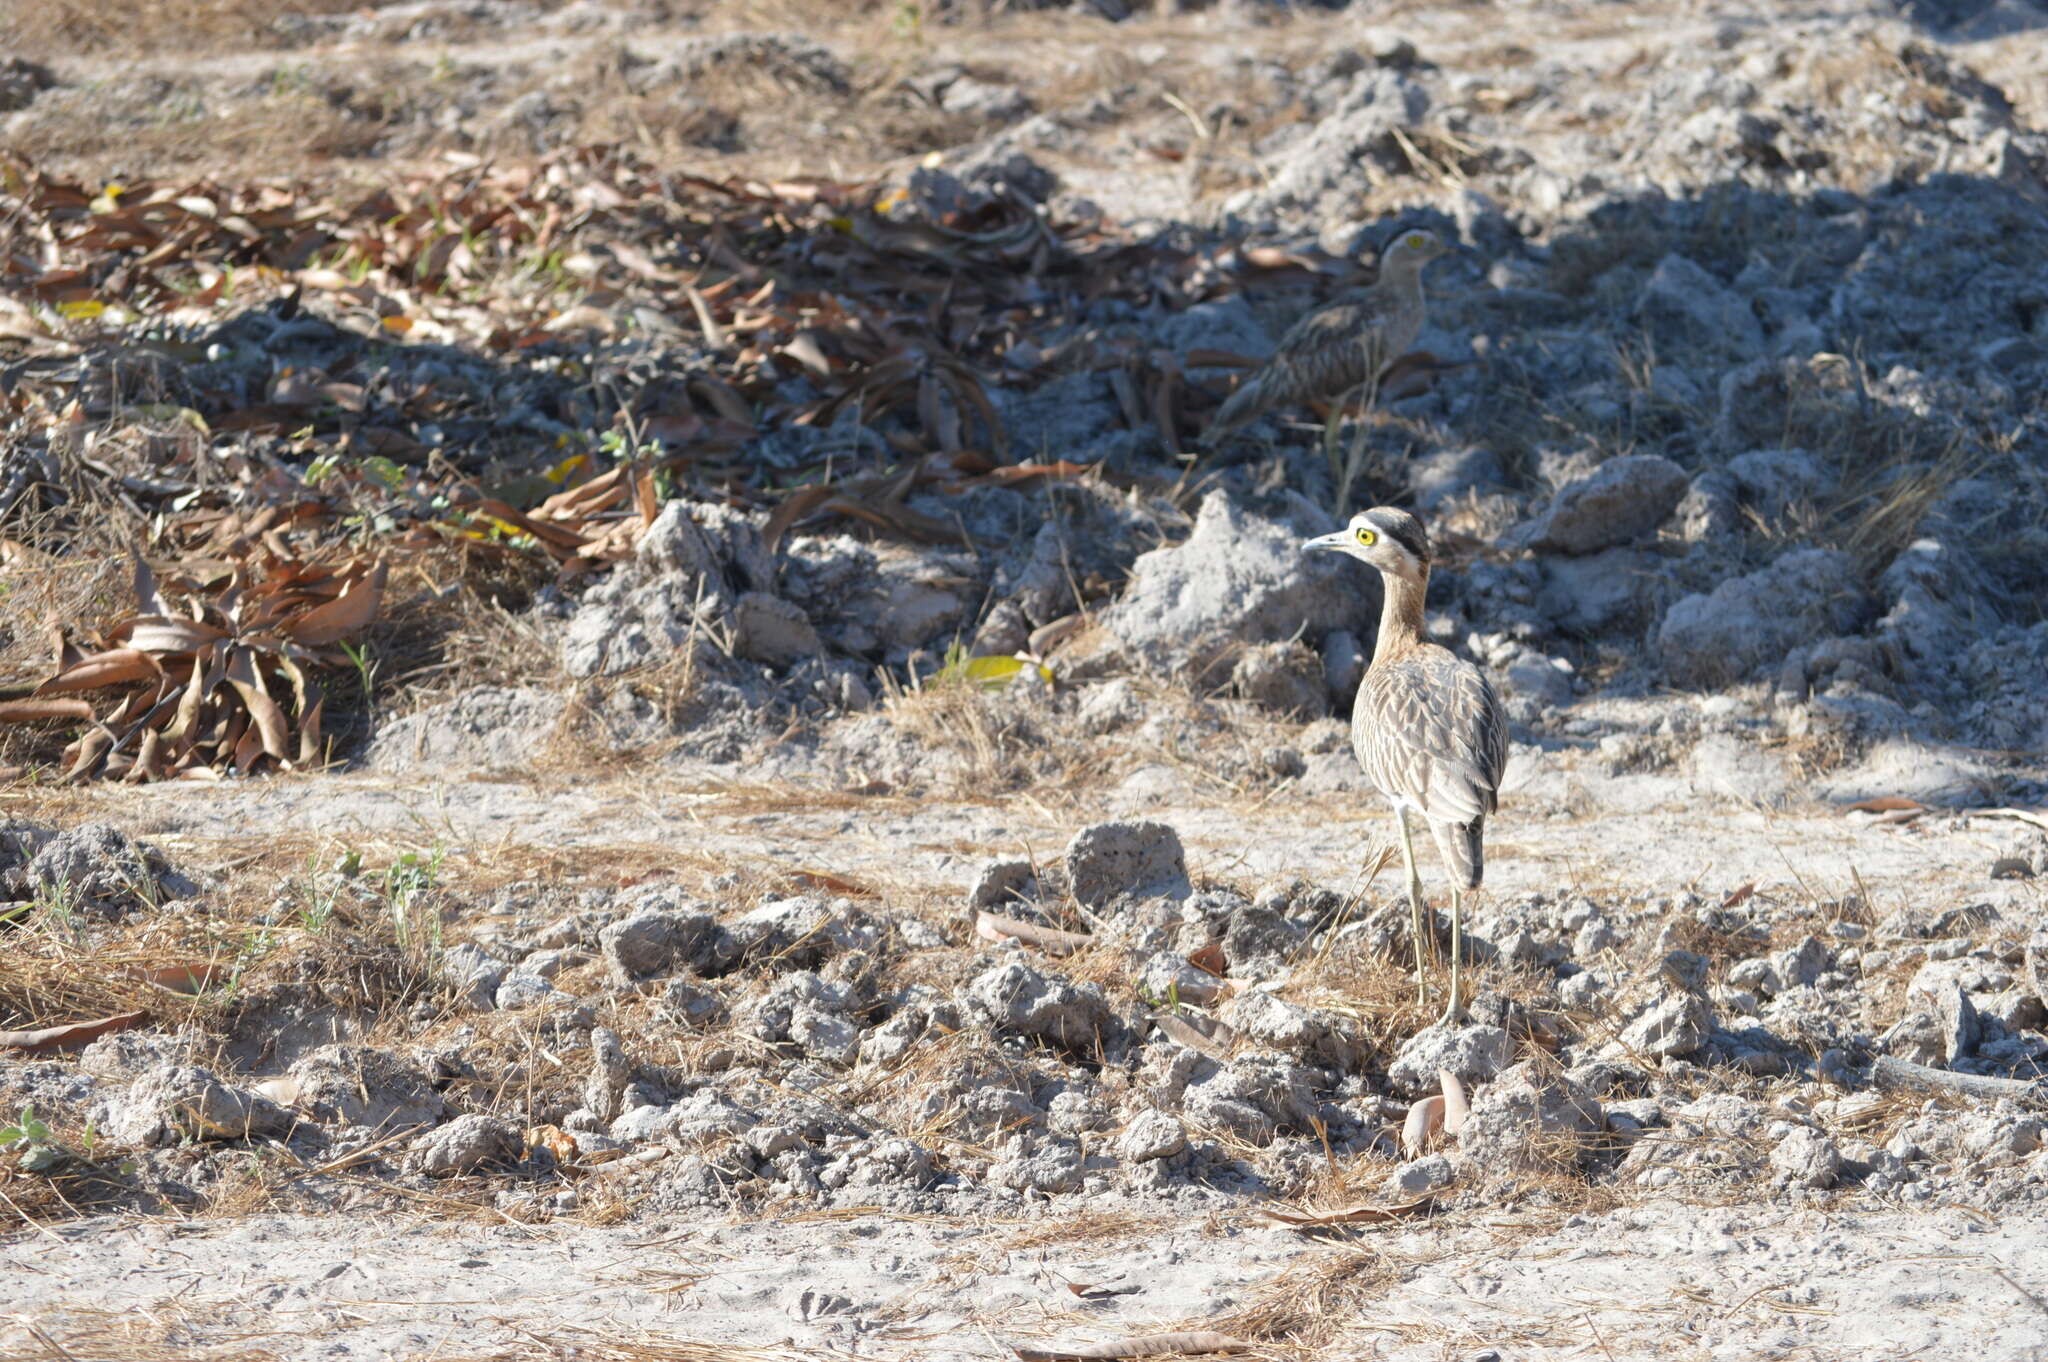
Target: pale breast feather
1430, 732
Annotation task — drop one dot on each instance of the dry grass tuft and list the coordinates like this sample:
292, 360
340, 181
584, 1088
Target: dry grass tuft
1313, 1303
63, 28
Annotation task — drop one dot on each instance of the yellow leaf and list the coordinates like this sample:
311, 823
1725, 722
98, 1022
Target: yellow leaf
560, 472
992, 672
82, 309
397, 326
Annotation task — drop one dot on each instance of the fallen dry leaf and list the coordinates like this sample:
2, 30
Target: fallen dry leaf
1350, 1215
555, 1140
830, 883
70, 1036
1419, 1129
991, 927
1457, 1108
1737, 897
1886, 804
32, 711
178, 978
1203, 1035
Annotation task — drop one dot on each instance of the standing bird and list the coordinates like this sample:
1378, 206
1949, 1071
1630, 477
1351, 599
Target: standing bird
1342, 348
1427, 726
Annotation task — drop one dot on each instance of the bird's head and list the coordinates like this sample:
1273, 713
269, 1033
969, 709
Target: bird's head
1391, 540
1410, 251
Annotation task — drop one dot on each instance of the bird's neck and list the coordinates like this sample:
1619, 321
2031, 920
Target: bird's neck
1404, 281
1400, 616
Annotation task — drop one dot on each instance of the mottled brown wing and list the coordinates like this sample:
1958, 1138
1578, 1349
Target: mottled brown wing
1326, 354
1430, 730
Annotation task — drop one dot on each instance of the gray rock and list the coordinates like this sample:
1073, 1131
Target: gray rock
1316, 179
1801, 965
604, 1087
657, 942
692, 1004
1111, 859
1305, 1032
1344, 664
1239, 578
1003, 884
1473, 1053
518, 991
800, 933
466, 1144
1286, 678
180, 1102
1620, 501
1226, 324
488, 728
1687, 310
1255, 1096
1446, 474
769, 629
1420, 1177
687, 570
1750, 622
1961, 1029
1527, 1120
474, 973
1676, 1023
1599, 592
811, 1014
92, 868
1109, 707
21, 81
359, 1085
1806, 1158
984, 99
1775, 480
1018, 999
1054, 1166
1151, 1135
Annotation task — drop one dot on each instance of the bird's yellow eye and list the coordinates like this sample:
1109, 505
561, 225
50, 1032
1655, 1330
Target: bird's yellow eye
1414, 241
1367, 537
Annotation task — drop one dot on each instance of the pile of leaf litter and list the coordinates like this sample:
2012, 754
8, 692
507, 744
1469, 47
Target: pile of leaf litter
284, 395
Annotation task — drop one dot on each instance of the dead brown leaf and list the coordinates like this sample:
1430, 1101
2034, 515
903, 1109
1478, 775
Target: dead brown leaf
1350, 1215
70, 1036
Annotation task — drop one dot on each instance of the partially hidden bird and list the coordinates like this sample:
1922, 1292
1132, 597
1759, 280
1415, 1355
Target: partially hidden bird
1427, 726
1341, 348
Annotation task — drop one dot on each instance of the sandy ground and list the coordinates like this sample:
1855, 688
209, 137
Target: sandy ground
1667, 1280
1671, 1282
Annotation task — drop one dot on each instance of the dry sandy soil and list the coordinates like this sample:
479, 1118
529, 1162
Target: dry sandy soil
1668, 846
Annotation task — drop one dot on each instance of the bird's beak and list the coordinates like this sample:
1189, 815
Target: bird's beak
1327, 541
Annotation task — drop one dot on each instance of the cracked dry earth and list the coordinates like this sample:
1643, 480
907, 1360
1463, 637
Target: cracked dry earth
1660, 1275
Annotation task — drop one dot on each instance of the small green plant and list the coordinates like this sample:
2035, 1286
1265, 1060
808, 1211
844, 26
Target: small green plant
40, 1151
323, 891
365, 664
28, 1126
59, 904
406, 882
909, 22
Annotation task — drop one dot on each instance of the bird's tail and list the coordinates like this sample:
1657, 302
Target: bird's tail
1240, 410
1463, 848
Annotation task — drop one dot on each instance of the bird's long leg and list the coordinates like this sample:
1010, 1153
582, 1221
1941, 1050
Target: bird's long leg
1354, 458
1331, 428
1455, 1006
1414, 905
